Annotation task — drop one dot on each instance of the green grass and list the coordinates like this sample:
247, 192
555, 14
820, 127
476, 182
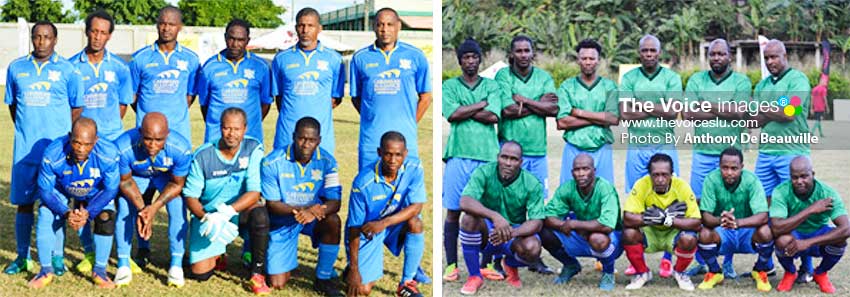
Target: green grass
231, 283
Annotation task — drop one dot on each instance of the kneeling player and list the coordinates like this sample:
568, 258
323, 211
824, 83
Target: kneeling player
302, 192
733, 199
223, 181
85, 169
661, 214
800, 213
596, 230
386, 199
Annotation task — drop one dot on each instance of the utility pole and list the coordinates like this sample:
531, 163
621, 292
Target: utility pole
365, 15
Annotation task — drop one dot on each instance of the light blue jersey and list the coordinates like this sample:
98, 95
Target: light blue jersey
162, 81
287, 181
306, 81
107, 85
214, 180
245, 84
388, 85
94, 181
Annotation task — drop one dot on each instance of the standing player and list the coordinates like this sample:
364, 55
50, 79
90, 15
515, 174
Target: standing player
784, 87
153, 159
390, 87
164, 74
734, 219
472, 105
725, 90
661, 214
386, 200
595, 231
300, 183
800, 217
587, 108
83, 168
503, 206
308, 80
223, 182
108, 91
44, 93
235, 78
648, 84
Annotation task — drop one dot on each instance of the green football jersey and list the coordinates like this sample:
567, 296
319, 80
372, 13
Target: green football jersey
734, 87
517, 202
747, 198
600, 96
785, 203
790, 83
469, 138
602, 205
529, 131
642, 86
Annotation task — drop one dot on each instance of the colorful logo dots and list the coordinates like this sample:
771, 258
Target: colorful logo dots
791, 107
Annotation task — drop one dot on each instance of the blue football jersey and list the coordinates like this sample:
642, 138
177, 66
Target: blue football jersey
306, 81
214, 180
94, 181
43, 95
245, 84
107, 85
162, 81
286, 180
173, 160
373, 198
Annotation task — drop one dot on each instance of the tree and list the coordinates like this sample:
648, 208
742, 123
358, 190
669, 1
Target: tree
127, 12
843, 43
35, 10
216, 13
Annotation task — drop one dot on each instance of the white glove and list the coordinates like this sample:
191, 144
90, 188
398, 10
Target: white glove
212, 222
226, 233
226, 210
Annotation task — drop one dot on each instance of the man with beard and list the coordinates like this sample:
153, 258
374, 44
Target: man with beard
596, 230
734, 220
44, 93
800, 216
308, 80
725, 90
235, 78
471, 104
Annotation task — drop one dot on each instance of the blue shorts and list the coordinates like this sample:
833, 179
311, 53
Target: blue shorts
455, 177
371, 256
701, 165
736, 241
282, 256
539, 167
24, 184
773, 170
577, 246
504, 248
603, 160
815, 250
200, 247
637, 158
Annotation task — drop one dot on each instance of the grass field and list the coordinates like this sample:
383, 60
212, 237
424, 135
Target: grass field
232, 283
829, 165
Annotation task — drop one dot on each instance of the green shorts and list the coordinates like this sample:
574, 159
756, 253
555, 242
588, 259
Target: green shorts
660, 240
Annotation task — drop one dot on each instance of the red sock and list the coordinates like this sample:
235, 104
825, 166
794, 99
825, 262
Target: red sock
635, 254
683, 259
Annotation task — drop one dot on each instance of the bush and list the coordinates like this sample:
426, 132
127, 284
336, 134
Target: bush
561, 71
686, 75
451, 73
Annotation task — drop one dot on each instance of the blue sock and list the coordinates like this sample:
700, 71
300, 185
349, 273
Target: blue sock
45, 269
44, 237
806, 263
786, 262
23, 231
99, 270
176, 261
606, 257
141, 243
470, 243
765, 259
450, 234
59, 240
102, 249
699, 259
414, 248
727, 258
709, 254
123, 262
668, 256
831, 254
512, 260
86, 238
567, 260
327, 257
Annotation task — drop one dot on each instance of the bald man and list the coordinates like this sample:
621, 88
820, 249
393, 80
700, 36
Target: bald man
800, 216
153, 159
81, 168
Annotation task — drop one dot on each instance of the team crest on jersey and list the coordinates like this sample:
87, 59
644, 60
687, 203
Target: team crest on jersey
94, 172
316, 174
53, 75
249, 74
243, 162
109, 76
183, 65
322, 65
167, 161
405, 63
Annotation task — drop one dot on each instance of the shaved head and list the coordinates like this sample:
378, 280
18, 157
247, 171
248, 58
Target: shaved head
801, 163
775, 57
154, 132
583, 159
802, 177
775, 44
84, 124
155, 122
83, 138
584, 172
